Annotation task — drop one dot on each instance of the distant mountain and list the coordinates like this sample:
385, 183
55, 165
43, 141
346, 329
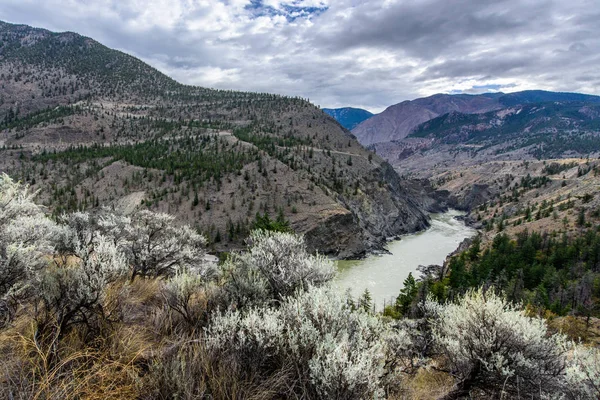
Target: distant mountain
398, 121
349, 117
540, 96
90, 127
542, 130
547, 130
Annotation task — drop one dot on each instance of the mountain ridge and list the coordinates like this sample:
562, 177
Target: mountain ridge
397, 121
349, 117
94, 127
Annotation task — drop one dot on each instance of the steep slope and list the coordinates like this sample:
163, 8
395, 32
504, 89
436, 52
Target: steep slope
348, 117
397, 121
94, 127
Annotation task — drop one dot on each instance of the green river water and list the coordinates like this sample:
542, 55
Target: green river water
383, 274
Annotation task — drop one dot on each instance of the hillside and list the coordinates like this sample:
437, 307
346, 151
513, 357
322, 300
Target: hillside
534, 131
542, 130
399, 121
93, 127
348, 117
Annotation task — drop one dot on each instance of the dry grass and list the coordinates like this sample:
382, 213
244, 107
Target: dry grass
139, 356
426, 384
34, 369
188, 371
143, 355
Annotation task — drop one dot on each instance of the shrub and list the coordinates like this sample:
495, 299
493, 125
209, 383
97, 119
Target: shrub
74, 292
155, 246
16, 200
276, 265
493, 346
332, 351
583, 373
192, 296
24, 241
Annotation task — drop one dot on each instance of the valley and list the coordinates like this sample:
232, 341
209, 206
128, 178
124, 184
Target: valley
161, 240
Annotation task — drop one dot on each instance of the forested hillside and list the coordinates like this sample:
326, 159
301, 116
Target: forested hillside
94, 127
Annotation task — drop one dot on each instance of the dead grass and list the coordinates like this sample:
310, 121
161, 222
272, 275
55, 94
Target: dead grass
186, 370
71, 369
144, 356
426, 384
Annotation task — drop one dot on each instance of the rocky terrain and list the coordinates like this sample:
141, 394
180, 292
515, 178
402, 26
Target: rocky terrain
92, 127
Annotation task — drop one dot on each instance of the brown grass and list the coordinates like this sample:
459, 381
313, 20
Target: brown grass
66, 370
188, 371
426, 384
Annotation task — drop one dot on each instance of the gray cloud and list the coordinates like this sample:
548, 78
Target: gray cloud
368, 53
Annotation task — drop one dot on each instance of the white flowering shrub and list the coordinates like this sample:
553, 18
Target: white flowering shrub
116, 227
23, 244
408, 345
152, 243
25, 235
276, 265
75, 292
192, 295
155, 246
79, 230
583, 373
493, 346
333, 351
16, 200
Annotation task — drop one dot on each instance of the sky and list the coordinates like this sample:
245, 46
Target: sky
360, 53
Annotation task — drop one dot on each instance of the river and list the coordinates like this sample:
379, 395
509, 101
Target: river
383, 274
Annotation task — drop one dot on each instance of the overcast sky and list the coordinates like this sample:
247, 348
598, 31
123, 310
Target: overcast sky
369, 53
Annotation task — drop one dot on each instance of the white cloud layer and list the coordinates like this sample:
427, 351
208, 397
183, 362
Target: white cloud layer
362, 53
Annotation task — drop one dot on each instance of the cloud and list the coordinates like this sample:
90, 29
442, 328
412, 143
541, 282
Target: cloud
361, 53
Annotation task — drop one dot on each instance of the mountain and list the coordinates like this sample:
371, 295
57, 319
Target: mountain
398, 121
541, 96
542, 130
473, 156
348, 117
92, 127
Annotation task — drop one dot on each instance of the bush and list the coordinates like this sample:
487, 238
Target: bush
583, 373
74, 292
16, 201
155, 246
276, 265
25, 235
331, 351
493, 346
152, 243
192, 296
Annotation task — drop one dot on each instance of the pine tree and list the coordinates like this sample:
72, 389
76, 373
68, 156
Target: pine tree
407, 295
365, 301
